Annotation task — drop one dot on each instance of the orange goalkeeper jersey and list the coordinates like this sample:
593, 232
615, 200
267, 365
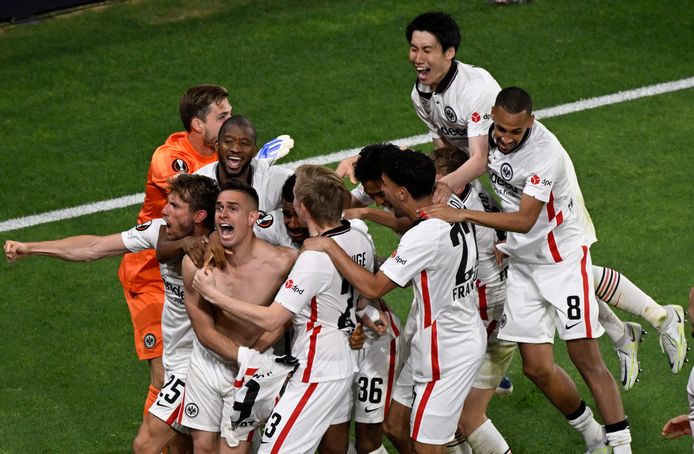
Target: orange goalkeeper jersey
140, 271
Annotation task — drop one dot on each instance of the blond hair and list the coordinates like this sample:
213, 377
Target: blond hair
321, 191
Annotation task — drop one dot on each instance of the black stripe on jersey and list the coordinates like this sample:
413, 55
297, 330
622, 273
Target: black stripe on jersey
344, 227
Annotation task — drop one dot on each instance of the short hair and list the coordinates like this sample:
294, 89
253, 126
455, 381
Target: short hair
288, 189
237, 120
321, 191
235, 184
198, 191
448, 159
369, 165
441, 25
413, 170
196, 102
514, 100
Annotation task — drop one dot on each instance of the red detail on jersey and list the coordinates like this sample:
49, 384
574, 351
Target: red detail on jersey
289, 283
551, 214
435, 369
553, 247
535, 179
586, 295
482, 298
174, 415
292, 419
475, 117
391, 373
394, 253
490, 328
420, 409
314, 314
425, 296
311, 354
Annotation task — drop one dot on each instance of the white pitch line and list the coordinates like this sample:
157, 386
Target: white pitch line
563, 109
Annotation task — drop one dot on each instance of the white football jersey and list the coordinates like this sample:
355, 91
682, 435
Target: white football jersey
541, 168
441, 261
176, 329
323, 303
266, 179
461, 106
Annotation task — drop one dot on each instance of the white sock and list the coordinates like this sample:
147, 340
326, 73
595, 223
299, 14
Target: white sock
486, 439
379, 450
616, 289
592, 431
351, 449
614, 327
619, 437
458, 445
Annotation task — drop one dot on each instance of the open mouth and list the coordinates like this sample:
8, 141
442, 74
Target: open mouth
422, 72
233, 162
226, 230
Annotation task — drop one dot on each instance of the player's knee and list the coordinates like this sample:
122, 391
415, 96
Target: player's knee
141, 442
538, 372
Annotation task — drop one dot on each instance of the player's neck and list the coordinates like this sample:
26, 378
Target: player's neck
242, 252
199, 144
314, 229
415, 205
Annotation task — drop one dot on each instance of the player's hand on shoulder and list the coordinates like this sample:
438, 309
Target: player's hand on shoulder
442, 192
317, 243
353, 213
676, 427
443, 212
215, 252
14, 250
194, 247
357, 338
346, 168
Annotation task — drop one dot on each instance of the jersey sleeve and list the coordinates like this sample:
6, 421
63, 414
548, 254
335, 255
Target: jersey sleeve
480, 119
413, 254
542, 175
310, 275
143, 236
360, 195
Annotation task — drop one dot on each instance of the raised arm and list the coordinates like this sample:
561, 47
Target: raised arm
369, 285
81, 248
385, 218
473, 168
516, 221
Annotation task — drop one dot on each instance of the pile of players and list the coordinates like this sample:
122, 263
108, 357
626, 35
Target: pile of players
257, 299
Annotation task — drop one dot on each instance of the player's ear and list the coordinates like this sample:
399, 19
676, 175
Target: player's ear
199, 216
253, 217
449, 54
196, 124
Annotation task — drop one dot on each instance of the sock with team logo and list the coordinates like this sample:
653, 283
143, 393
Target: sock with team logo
616, 289
619, 437
614, 327
487, 439
152, 394
583, 421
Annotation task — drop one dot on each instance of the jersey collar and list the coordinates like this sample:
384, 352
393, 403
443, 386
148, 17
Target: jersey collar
342, 228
